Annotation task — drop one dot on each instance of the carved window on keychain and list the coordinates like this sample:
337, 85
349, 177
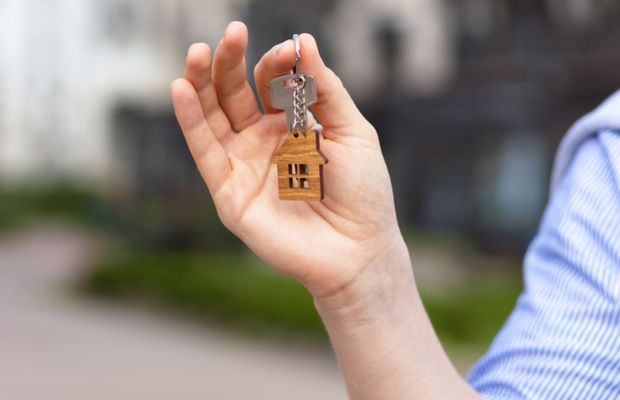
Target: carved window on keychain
298, 176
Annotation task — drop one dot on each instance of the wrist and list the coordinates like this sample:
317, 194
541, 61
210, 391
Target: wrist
381, 288
382, 337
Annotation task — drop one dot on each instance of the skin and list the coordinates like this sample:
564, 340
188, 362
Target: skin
347, 250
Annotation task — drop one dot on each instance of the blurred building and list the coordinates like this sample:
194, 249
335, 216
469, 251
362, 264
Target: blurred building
476, 157
401, 46
67, 65
470, 97
85, 84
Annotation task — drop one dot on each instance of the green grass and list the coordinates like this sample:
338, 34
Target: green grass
240, 292
472, 315
140, 221
235, 291
66, 202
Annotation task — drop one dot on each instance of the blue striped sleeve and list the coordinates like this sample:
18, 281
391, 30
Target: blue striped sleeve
562, 341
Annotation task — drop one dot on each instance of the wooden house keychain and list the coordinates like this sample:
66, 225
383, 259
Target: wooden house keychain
299, 159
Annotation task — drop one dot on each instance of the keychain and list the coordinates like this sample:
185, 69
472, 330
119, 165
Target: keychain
299, 159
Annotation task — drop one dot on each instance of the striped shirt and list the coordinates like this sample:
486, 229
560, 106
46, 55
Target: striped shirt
562, 341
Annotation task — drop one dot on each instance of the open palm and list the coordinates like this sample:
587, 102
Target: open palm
325, 244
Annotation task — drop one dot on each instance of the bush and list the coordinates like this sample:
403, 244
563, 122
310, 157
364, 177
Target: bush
474, 314
233, 290
239, 291
63, 201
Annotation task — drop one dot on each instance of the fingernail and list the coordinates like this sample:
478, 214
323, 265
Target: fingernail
276, 48
235, 23
194, 47
226, 30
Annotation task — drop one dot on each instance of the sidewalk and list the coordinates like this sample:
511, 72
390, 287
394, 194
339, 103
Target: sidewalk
56, 347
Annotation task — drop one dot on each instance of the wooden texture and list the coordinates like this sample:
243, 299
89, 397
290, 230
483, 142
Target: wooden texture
300, 167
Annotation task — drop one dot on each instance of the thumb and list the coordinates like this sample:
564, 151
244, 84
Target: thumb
335, 108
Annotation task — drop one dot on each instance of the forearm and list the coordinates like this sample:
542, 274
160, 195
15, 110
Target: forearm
384, 341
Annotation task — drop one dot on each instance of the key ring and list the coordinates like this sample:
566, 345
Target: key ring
297, 67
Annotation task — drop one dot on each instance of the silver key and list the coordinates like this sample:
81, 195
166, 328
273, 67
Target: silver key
294, 93
282, 97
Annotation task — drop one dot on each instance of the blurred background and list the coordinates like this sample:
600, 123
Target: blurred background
117, 279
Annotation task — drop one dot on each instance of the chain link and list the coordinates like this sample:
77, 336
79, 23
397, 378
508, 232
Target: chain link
299, 108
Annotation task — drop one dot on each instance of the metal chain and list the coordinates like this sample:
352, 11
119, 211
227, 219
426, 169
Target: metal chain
299, 109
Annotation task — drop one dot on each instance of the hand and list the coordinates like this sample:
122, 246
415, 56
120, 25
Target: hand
329, 245
347, 249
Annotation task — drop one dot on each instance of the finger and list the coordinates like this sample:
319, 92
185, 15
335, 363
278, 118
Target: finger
335, 109
234, 93
198, 72
270, 66
209, 155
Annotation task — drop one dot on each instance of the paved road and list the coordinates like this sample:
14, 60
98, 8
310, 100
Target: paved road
56, 347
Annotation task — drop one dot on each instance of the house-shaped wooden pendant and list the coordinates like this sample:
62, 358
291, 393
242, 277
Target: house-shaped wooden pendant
300, 167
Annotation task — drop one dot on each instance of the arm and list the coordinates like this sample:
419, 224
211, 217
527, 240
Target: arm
563, 339
384, 341
346, 250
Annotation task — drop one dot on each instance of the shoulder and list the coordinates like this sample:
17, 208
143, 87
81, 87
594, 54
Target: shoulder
590, 186
579, 237
596, 159
604, 121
